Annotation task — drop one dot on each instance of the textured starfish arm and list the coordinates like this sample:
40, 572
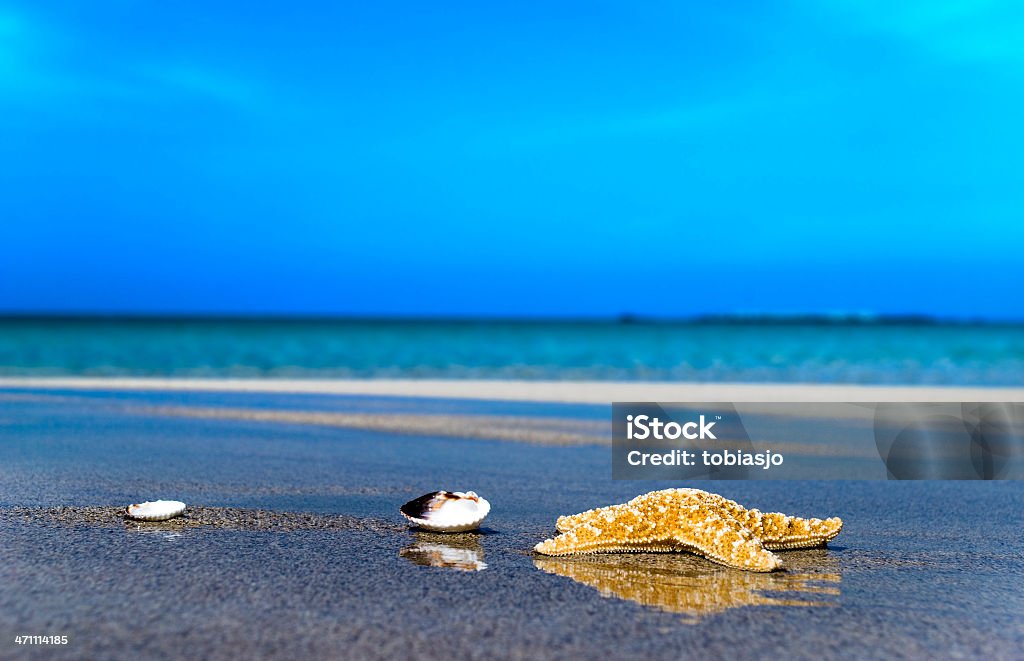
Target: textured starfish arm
621, 529
588, 538
666, 498
779, 531
721, 538
567, 523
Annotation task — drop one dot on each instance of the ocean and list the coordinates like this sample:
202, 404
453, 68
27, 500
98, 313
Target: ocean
887, 353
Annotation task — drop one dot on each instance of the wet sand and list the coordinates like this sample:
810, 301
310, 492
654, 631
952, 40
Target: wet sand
293, 545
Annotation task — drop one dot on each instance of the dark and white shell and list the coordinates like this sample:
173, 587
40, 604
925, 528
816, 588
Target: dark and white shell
447, 511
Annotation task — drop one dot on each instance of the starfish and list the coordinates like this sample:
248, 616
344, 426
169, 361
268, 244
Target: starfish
692, 520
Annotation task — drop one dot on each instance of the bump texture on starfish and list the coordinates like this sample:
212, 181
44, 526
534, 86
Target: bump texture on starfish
689, 520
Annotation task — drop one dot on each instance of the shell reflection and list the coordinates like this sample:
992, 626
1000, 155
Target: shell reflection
155, 530
680, 584
462, 552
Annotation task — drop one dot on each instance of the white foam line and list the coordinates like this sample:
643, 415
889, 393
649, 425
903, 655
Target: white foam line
584, 392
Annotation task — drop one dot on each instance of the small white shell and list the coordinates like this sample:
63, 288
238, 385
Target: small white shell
447, 511
157, 510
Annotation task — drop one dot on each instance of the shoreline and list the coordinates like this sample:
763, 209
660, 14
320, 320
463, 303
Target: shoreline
568, 392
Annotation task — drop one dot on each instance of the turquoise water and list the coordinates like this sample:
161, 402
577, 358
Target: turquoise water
827, 353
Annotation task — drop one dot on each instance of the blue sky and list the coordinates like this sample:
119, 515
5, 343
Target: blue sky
526, 159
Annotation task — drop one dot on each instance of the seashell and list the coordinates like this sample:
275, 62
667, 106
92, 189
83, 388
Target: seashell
447, 511
157, 510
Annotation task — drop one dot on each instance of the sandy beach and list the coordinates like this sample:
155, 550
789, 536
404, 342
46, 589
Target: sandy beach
716, 309
293, 543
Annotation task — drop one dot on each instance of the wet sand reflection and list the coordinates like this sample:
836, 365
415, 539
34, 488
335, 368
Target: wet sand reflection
688, 585
462, 552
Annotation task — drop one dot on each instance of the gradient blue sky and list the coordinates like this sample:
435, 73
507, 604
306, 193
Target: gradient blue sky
527, 159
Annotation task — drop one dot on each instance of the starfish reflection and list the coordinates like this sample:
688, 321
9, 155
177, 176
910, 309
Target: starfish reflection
685, 584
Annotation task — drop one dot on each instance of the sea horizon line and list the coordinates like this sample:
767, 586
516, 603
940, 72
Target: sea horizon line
710, 319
